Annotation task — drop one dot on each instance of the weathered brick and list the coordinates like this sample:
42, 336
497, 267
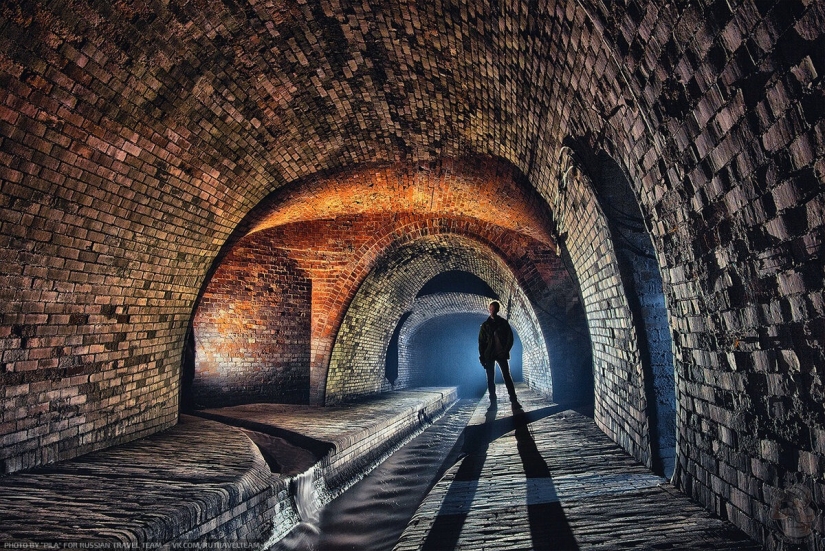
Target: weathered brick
714, 110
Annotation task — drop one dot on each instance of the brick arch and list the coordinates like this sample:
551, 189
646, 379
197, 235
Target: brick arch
136, 137
536, 359
482, 187
427, 307
334, 296
337, 256
356, 364
617, 364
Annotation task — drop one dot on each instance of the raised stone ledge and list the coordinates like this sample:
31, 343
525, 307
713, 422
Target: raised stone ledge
360, 434
176, 485
203, 480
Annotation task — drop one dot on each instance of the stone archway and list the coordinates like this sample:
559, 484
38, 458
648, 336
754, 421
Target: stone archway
357, 360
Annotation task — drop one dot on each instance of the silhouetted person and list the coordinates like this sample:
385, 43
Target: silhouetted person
495, 339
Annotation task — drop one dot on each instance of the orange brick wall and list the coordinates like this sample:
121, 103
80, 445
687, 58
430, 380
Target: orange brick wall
338, 256
252, 329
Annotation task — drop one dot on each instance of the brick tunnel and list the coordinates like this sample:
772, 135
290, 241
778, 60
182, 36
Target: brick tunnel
222, 222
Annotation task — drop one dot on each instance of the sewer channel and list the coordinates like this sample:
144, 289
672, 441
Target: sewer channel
372, 514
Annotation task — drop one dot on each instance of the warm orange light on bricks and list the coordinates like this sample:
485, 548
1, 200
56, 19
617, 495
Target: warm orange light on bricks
485, 190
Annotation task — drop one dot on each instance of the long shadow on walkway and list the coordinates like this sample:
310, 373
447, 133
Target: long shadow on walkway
548, 524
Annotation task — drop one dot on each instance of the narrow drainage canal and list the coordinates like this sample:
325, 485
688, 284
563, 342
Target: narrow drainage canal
372, 514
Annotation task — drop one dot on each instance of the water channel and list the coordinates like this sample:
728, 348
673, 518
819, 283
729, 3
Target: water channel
373, 513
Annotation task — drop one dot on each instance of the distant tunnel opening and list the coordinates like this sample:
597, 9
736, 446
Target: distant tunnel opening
278, 322
444, 352
457, 281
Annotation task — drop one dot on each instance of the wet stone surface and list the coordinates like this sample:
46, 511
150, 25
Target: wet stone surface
543, 478
204, 481
372, 514
329, 428
531, 478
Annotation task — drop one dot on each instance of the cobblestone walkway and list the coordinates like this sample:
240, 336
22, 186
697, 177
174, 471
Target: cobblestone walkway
541, 478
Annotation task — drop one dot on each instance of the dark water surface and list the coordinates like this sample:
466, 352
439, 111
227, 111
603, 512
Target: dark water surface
372, 514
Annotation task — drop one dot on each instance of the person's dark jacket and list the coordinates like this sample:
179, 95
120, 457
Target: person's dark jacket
495, 339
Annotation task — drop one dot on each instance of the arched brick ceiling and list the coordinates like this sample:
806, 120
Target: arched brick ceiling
137, 136
428, 307
431, 306
338, 254
237, 99
485, 189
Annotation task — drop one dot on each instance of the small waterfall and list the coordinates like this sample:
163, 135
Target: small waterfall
303, 519
306, 497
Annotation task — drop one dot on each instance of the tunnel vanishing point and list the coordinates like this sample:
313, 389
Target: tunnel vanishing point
213, 203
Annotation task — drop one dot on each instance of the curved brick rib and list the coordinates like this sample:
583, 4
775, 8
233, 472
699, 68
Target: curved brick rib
537, 367
357, 360
136, 136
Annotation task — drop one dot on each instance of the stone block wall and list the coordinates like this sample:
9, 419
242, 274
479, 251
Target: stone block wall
109, 216
642, 280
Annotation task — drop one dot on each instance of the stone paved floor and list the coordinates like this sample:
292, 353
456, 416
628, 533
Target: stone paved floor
537, 479
178, 485
542, 478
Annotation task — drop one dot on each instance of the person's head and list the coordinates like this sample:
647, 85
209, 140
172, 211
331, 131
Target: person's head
494, 308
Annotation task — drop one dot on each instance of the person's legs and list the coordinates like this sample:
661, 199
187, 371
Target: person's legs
504, 365
491, 380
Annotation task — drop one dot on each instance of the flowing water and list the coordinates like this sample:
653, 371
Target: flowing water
372, 514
